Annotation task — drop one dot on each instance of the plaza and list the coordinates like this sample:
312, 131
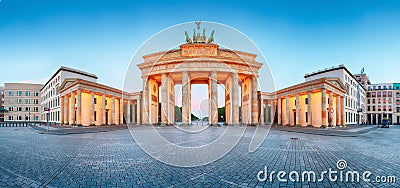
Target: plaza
113, 159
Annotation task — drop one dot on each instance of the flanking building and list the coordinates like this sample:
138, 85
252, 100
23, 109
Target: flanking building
383, 102
363, 80
355, 97
89, 103
317, 103
1, 103
22, 100
51, 104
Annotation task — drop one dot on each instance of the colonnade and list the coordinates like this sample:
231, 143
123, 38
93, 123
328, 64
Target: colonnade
86, 107
311, 108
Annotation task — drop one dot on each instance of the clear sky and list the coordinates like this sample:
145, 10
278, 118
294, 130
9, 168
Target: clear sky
100, 37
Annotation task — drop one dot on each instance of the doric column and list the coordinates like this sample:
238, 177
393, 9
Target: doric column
342, 111
235, 99
331, 107
338, 118
185, 98
128, 112
287, 119
72, 108
121, 111
298, 120
309, 108
254, 101
323, 107
262, 122
138, 111
66, 112
213, 99
145, 101
267, 111
79, 107
62, 111
92, 108
164, 99
113, 118
272, 104
103, 109
280, 111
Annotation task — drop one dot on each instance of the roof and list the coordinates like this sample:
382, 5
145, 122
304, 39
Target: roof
333, 69
331, 81
62, 68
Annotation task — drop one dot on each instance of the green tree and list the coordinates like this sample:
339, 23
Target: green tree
221, 114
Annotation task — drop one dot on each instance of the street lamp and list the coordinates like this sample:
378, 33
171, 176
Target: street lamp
48, 114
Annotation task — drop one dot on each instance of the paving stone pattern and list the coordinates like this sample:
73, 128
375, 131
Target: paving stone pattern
113, 159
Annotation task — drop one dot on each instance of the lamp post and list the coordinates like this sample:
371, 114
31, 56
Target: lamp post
48, 113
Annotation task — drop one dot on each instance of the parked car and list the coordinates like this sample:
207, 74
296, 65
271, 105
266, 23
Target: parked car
385, 123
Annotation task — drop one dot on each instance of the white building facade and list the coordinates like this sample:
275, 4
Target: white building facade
51, 104
355, 98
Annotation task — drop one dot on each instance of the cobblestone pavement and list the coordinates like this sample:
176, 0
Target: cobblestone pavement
113, 159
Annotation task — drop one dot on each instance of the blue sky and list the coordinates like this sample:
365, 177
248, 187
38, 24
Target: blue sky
296, 37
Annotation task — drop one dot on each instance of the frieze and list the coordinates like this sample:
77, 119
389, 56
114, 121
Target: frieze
199, 50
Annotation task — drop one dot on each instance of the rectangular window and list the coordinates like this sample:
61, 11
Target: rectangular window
95, 116
19, 101
35, 93
11, 118
306, 100
27, 101
35, 109
106, 102
27, 93
379, 94
27, 109
95, 101
19, 93
11, 93
389, 94
35, 101
373, 108
384, 94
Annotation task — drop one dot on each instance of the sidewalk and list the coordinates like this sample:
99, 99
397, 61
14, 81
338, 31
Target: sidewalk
76, 130
348, 131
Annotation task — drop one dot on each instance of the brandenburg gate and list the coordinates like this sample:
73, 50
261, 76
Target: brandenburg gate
317, 103
200, 61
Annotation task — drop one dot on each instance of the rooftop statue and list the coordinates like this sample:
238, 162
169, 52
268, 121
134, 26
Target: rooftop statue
197, 38
188, 40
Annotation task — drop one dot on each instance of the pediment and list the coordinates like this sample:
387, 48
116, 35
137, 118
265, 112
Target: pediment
66, 83
337, 82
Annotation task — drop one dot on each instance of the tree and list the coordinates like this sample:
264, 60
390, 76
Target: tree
221, 114
178, 115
